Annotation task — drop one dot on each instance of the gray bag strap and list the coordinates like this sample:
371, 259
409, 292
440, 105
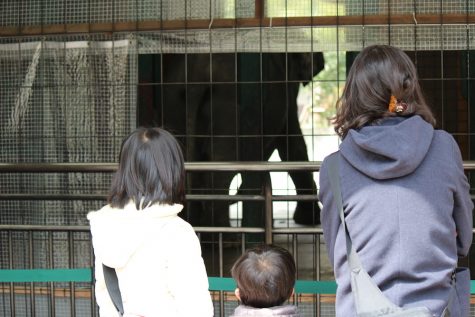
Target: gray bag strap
368, 298
334, 173
112, 284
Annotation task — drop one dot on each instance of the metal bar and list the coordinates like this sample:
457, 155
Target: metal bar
42, 197
204, 24
32, 285
301, 230
229, 229
72, 291
43, 228
189, 166
93, 284
56, 228
51, 265
296, 258
221, 263
316, 259
10, 260
268, 209
18, 196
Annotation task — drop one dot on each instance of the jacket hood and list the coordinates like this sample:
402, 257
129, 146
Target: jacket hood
394, 147
283, 311
117, 233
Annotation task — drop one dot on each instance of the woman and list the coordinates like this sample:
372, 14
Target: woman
405, 196
156, 254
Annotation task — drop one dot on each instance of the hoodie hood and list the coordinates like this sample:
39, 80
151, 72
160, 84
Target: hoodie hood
283, 311
394, 147
117, 233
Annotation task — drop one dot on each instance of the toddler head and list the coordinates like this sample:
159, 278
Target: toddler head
265, 276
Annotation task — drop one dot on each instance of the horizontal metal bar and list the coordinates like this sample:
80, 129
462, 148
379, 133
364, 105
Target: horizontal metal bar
44, 228
57, 167
60, 228
253, 166
298, 230
228, 230
189, 166
52, 197
192, 197
301, 230
219, 23
104, 197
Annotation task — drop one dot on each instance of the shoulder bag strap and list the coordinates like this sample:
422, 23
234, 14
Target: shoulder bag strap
334, 176
368, 298
112, 284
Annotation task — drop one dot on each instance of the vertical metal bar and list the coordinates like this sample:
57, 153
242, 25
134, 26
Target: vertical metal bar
389, 22
316, 260
32, 285
442, 75
72, 291
51, 265
221, 293
296, 258
415, 31
93, 286
363, 23
467, 27
12, 287
268, 209
211, 99
236, 85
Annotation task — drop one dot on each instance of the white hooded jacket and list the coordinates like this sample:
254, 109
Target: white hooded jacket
157, 257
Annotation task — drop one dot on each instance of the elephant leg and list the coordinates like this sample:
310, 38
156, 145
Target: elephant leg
306, 212
216, 213
253, 211
295, 149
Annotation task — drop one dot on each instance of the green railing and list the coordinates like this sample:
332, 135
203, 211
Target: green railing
215, 283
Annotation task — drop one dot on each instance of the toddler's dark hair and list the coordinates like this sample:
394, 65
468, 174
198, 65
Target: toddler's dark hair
265, 276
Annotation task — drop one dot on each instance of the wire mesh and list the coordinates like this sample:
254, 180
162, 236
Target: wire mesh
72, 97
45, 12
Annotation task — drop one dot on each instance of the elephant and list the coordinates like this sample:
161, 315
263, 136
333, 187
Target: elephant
231, 107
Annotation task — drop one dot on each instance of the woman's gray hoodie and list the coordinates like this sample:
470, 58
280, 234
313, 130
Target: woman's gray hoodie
408, 211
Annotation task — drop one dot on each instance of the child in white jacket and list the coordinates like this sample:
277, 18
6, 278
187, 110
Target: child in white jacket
156, 254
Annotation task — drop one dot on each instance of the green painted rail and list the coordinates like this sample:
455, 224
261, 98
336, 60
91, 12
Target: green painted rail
46, 275
215, 283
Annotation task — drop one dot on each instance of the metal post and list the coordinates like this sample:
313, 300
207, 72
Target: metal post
32, 285
72, 289
51, 266
317, 270
268, 209
12, 287
220, 253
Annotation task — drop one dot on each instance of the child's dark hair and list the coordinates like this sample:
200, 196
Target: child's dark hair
151, 169
265, 276
379, 72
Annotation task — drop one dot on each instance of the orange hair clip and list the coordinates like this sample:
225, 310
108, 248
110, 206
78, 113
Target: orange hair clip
396, 106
